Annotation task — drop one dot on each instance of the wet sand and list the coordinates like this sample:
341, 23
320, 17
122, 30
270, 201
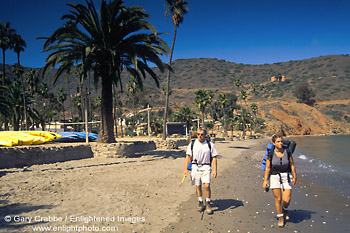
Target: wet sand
142, 195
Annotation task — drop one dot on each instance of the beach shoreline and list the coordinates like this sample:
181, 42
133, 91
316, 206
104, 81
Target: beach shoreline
142, 194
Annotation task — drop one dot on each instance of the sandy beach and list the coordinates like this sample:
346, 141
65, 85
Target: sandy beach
142, 194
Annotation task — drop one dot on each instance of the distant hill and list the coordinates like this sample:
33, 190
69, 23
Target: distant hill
328, 76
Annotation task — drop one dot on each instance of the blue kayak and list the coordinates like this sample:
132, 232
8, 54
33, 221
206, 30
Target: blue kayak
76, 137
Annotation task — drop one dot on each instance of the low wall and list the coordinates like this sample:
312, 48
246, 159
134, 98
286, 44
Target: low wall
29, 155
21, 156
113, 150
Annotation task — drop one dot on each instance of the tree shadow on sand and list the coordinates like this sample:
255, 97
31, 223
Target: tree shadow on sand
175, 154
297, 216
8, 212
224, 204
240, 147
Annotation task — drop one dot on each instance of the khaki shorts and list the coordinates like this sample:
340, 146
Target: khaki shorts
200, 175
275, 181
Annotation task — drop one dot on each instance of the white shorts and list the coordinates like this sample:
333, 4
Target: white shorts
200, 175
275, 181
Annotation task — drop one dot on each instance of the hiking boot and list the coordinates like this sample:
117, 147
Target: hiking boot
280, 222
200, 206
208, 208
285, 213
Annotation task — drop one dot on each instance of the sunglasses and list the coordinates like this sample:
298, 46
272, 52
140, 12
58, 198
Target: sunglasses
200, 134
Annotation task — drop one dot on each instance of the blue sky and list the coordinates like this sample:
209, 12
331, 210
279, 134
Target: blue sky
241, 31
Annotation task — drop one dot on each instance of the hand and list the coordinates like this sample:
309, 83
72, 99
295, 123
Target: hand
214, 174
185, 172
294, 180
265, 184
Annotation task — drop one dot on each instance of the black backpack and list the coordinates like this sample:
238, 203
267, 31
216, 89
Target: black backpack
291, 145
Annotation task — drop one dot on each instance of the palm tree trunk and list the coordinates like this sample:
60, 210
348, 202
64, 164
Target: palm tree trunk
82, 107
3, 67
24, 103
6, 122
203, 119
243, 121
168, 85
225, 122
70, 99
115, 111
24, 95
107, 125
246, 104
90, 105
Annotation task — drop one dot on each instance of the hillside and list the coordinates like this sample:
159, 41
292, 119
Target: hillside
328, 76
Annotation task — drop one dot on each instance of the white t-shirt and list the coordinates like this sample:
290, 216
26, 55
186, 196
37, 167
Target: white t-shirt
201, 152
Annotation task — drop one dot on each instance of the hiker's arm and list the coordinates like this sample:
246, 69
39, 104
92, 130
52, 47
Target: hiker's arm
267, 173
292, 166
187, 161
215, 165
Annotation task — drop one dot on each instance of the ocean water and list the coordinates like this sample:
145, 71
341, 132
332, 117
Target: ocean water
323, 167
330, 153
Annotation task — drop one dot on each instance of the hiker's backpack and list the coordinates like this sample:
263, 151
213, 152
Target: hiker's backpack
290, 145
192, 143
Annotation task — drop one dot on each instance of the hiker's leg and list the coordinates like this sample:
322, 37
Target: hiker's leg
286, 194
278, 198
207, 190
199, 190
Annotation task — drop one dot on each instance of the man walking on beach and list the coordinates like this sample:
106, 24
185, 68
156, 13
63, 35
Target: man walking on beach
202, 154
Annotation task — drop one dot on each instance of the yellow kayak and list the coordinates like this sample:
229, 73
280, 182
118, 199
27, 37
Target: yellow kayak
4, 141
27, 137
49, 136
23, 139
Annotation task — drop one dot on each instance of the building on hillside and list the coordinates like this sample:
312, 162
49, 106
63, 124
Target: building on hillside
278, 78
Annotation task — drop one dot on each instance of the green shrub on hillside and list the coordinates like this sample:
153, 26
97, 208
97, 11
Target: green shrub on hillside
336, 115
304, 93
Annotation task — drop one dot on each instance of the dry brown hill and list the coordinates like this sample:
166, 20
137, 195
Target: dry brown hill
328, 76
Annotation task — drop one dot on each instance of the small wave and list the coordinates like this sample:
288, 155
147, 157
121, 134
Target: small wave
304, 157
318, 163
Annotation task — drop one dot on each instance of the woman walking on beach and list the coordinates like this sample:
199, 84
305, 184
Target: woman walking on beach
279, 168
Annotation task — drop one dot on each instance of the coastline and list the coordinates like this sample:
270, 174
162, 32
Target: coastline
142, 195
241, 205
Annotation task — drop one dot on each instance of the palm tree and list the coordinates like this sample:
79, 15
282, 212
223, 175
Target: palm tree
10, 104
32, 80
6, 42
244, 97
202, 100
177, 8
18, 46
61, 97
108, 41
254, 108
185, 114
238, 84
18, 71
223, 101
133, 87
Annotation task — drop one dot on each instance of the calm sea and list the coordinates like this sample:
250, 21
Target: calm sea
326, 153
323, 163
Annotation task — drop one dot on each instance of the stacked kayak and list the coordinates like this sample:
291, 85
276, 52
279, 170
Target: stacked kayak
76, 137
14, 138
